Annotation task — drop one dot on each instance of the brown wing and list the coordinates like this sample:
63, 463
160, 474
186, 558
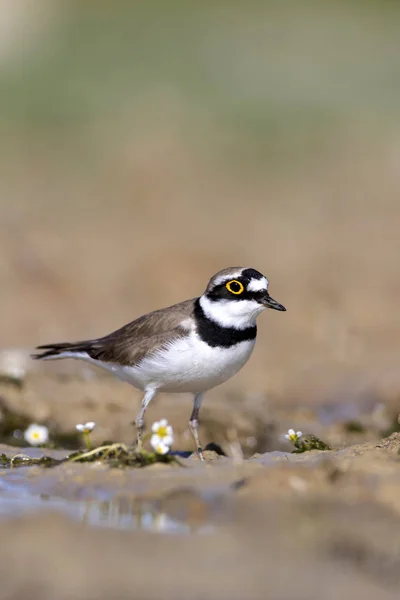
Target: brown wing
129, 344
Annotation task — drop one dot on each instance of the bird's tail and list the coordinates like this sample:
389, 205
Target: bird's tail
63, 350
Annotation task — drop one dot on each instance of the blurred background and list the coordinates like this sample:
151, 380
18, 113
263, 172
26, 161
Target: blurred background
146, 145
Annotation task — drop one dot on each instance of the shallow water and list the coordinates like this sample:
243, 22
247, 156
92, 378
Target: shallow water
96, 513
17, 499
114, 499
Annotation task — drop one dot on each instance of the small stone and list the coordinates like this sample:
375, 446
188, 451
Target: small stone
13, 365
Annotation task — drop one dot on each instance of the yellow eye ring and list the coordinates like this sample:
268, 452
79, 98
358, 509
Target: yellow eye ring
235, 287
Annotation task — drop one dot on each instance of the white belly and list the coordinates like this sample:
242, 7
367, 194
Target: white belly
188, 365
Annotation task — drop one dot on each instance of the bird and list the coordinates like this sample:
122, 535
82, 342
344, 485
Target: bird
192, 346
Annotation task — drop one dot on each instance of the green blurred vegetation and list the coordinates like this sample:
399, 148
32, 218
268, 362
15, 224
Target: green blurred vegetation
250, 79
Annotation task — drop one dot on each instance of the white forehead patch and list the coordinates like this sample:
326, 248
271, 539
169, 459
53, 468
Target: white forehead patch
225, 278
257, 285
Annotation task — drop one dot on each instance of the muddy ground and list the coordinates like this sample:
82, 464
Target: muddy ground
269, 524
313, 526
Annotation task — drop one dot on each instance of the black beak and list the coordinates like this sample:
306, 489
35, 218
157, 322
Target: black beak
271, 303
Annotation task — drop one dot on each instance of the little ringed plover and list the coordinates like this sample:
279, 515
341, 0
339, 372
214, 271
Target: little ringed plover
192, 346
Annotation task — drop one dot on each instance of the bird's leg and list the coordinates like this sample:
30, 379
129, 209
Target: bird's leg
194, 423
139, 421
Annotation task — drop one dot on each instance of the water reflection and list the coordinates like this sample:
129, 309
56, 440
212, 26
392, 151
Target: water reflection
118, 513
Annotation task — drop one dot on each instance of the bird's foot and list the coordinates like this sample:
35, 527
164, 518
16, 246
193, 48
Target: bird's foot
200, 454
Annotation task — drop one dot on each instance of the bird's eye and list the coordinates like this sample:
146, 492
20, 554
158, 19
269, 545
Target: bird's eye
235, 287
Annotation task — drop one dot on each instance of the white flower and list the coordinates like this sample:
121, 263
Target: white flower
162, 434
158, 446
293, 435
36, 434
86, 427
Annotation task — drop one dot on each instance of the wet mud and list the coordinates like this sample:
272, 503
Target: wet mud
255, 516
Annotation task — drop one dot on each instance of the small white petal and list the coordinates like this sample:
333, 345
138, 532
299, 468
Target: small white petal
161, 449
90, 425
287, 436
158, 444
156, 426
163, 423
168, 440
291, 432
169, 430
298, 434
155, 440
80, 427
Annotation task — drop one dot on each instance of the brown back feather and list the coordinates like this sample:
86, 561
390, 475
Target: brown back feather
129, 344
